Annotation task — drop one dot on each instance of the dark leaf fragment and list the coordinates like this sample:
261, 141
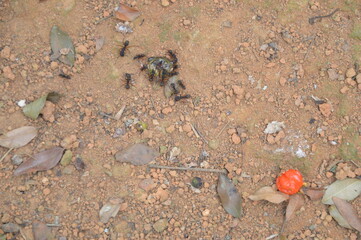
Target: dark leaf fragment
42, 161
230, 198
348, 213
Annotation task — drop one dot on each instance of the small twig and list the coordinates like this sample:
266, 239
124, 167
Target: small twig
198, 134
103, 19
153, 105
106, 115
355, 163
308, 48
53, 225
224, 127
312, 20
4, 156
195, 131
272, 236
188, 169
22, 234
255, 54
120, 113
283, 227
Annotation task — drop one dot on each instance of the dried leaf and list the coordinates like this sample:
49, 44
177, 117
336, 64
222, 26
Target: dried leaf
41, 231
174, 153
295, 203
42, 161
347, 189
348, 212
269, 194
138, 154
125, 13
10, 227
99, 42
62, 46
110, 209
32, 110
18, 137
230, 198
314, 194
79, 164
53, 97
337, 216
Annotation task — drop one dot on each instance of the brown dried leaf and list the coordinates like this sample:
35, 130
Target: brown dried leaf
125, 13
314, 194
18, 137
295, 203
348, 213
41, 231
269, 194
337, 216
138, 154
42, 161
230, 198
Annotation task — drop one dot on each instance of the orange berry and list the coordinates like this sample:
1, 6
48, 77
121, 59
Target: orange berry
290, 182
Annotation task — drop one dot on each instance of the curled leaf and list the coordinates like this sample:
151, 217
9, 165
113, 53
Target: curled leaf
62, 46
41, 231
314, 194
295, 203
348, 213
347, 189
99, 42
230, 198
42, 161
337, 216
110, 209
269, 194
18, 137
53, 97
32, 110
125, 13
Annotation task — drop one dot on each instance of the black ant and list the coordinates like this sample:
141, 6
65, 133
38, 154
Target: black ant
122, 51
151, 75
139, 56
143, 67
174, 89
181, 84
173, 56
63, 75
128, 78
178, 98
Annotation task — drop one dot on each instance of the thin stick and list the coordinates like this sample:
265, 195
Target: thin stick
309, 46
53, 225
355, 163
198, 134
105, 18
254, 54
23, 235
283, 227
4, 156
106, 115
188, 169
153, 105
224, 127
